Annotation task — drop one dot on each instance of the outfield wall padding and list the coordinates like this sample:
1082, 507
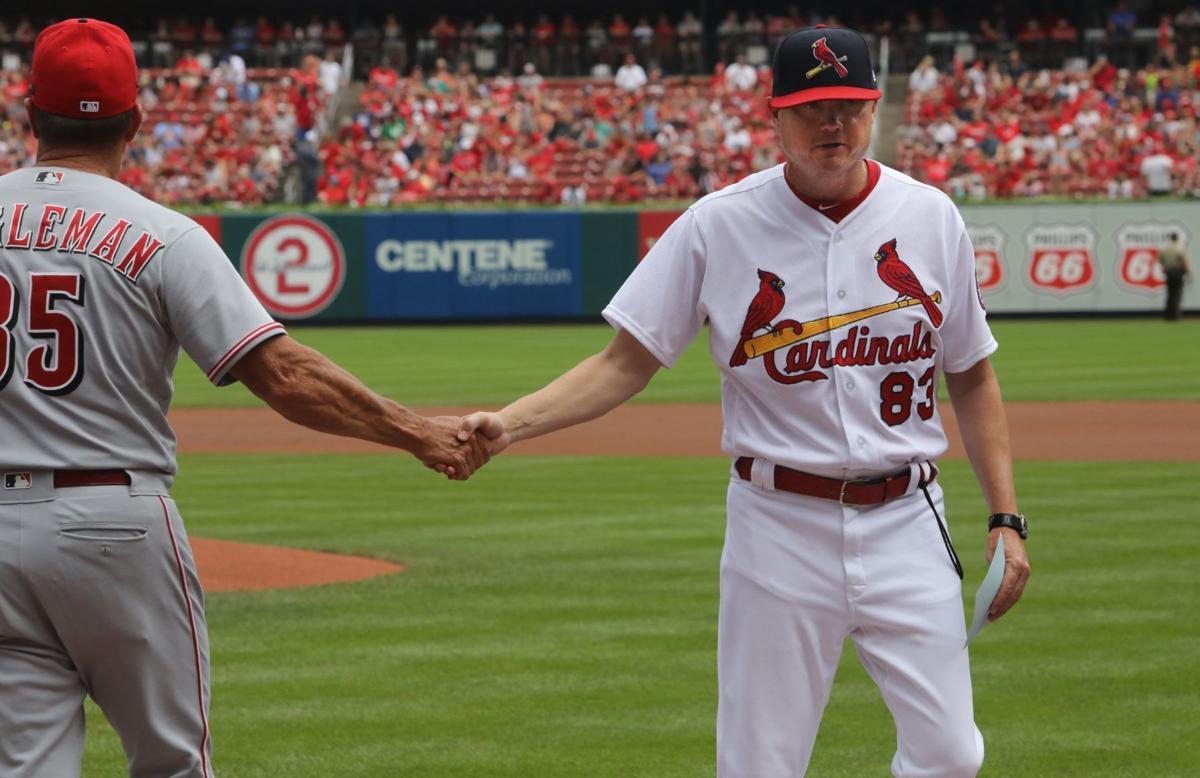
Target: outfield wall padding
523, 265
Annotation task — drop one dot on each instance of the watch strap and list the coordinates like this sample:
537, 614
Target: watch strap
1013, 521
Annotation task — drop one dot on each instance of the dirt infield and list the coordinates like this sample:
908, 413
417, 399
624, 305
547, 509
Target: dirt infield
1096, 431
1104, 431
227, 566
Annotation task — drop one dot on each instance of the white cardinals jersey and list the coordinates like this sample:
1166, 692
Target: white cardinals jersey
99, 287
830, 336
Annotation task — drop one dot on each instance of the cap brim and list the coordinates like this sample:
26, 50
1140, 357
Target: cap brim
824, 93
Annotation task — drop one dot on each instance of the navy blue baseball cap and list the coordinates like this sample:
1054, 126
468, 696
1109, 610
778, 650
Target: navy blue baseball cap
822, 63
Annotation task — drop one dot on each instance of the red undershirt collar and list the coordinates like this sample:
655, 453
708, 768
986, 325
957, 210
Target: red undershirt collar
835, 212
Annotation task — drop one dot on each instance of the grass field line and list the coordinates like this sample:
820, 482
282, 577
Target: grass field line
1038, 361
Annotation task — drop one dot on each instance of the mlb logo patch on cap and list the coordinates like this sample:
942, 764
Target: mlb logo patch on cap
23, 480
83, 69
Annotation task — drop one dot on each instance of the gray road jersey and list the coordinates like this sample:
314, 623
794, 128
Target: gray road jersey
99, 287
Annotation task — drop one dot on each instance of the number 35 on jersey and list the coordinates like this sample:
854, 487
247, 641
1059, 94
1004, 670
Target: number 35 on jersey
54, 367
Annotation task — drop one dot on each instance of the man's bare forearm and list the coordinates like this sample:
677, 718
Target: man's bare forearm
305, 387
587, 391
975, 394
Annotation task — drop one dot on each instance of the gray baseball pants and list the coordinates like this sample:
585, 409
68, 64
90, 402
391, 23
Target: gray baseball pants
99, 596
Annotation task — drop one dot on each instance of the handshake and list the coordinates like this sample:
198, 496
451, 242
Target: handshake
458, 446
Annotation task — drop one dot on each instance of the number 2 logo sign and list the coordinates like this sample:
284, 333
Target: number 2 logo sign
295, 265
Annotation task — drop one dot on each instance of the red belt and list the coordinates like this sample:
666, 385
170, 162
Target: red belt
857, 491
65, 478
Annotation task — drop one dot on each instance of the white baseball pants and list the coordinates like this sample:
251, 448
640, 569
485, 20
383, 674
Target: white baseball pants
798, 576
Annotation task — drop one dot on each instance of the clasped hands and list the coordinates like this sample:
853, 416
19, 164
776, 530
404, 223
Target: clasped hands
456, 446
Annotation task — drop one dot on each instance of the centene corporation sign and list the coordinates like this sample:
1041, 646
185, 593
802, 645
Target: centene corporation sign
477, 263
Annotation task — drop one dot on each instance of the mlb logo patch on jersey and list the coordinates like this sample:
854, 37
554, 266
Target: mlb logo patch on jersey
49, 177
23, 480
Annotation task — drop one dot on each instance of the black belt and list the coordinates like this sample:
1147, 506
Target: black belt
856, 491
67, 478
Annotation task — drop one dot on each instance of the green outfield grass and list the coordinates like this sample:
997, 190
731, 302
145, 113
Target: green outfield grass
558, 619
472, 365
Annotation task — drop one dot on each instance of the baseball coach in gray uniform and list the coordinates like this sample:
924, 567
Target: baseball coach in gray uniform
99, 288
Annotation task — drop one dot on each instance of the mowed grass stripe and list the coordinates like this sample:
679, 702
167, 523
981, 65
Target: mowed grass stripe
1054, 360
558, 618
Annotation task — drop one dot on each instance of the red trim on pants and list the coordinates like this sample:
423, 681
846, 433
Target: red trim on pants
195, 639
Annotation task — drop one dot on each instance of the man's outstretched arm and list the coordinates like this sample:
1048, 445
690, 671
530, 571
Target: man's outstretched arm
587, 391
306, 387
975, 395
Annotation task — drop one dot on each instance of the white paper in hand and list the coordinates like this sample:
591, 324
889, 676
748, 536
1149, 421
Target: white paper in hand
987, 590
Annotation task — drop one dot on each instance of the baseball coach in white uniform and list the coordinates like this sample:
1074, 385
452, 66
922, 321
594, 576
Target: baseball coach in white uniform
99, 289
838, 292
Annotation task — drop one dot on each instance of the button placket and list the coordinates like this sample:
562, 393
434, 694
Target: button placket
836, 274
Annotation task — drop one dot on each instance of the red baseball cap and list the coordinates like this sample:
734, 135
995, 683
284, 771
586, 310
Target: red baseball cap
84, 69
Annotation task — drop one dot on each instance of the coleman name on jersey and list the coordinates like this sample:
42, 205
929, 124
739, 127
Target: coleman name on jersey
93, 233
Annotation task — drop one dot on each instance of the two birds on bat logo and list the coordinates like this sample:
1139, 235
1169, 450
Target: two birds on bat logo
768, 302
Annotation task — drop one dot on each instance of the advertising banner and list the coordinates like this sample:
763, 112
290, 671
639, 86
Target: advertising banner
211, 225
651, 226
609, 246
1087, 257
426, 266
301, 266
508, 265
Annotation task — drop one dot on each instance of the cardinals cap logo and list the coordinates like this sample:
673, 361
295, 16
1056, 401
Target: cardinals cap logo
827, 58
822, 63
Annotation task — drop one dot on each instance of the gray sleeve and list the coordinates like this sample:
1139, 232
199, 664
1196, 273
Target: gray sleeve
211, 311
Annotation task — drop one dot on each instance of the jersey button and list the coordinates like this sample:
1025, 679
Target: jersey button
850, 386
837, 238
862, 441
841, 294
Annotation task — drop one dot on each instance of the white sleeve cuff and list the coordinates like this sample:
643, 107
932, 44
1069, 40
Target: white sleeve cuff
621, 321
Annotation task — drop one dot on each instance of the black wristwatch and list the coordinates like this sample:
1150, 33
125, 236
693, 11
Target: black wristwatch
1013, 521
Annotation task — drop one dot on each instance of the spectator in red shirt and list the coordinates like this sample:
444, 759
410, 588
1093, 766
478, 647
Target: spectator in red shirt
664, 43
569, 52
544, 34
1063, 32
183, 33
445, 36
646, 148
210, 34
191, 72
1166, 41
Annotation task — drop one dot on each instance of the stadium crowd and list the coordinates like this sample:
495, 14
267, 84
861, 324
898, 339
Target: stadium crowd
213, 132
453, 136
1006, 130
467, 110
